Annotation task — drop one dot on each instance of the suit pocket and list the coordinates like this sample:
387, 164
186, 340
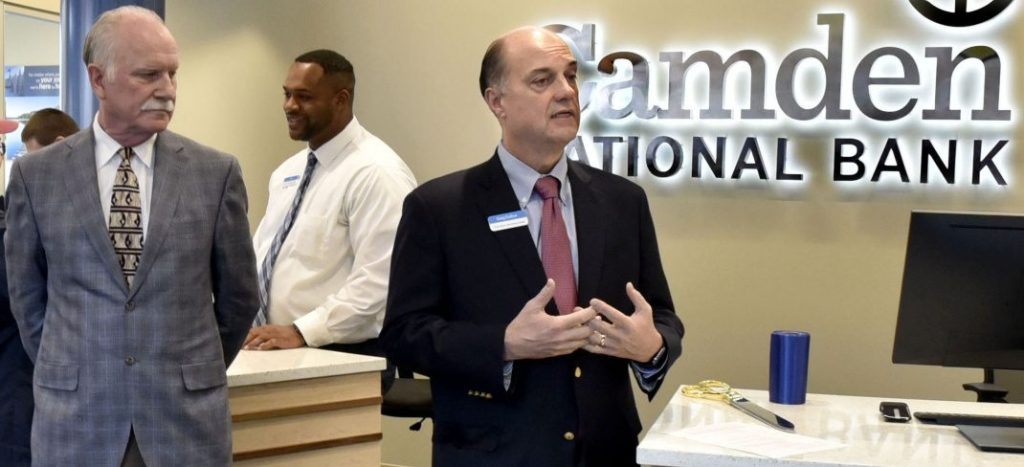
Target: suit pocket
199, 376
56, 376
471, 437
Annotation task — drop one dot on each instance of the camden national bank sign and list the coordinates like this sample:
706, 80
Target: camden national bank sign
932, 110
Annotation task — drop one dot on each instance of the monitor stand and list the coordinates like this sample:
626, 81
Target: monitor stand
988, 391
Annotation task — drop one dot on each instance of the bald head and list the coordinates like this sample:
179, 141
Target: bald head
494, 65
528, 80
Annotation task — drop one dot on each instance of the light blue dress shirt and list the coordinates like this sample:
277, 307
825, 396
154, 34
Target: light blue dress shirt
523, 179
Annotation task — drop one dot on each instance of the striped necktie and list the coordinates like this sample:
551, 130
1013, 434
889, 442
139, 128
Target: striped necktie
125, 222
275, 247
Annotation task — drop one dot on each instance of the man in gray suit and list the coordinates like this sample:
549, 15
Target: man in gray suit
132, 273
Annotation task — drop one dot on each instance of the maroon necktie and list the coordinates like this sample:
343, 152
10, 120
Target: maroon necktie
556, 253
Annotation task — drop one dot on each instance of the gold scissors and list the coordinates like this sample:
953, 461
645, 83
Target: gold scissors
719, 391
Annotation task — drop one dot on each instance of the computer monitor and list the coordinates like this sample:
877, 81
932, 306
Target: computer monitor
962, 301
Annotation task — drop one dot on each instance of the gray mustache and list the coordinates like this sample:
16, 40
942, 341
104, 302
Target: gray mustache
157, 104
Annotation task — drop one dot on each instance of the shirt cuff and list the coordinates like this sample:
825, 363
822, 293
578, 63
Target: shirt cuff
648, 374
506, 375
313, 332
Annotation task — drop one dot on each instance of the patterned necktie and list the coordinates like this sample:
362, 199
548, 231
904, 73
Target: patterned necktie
125, 223
275, 246
556, 253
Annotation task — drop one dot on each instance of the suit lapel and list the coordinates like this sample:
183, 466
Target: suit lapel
83, 189
496, 197
168, 169
590, 230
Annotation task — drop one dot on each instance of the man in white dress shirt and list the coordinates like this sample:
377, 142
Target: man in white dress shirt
324, 277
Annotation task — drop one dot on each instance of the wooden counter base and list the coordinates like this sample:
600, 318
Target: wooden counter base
331, 420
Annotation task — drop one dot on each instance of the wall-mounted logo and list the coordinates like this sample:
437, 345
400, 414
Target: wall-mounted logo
928, 111
960, 17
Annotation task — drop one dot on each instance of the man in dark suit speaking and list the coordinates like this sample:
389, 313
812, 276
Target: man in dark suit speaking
132, 274
529, 287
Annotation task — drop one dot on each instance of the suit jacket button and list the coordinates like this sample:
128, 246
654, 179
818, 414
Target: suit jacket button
569, 436
129, 307
579, 372
129, 361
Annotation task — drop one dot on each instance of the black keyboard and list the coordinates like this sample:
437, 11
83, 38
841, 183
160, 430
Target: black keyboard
935, 418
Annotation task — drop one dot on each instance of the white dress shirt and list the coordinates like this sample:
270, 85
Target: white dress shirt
108, 158
331, 275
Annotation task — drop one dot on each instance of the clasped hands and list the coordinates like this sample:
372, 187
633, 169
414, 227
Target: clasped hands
598, 328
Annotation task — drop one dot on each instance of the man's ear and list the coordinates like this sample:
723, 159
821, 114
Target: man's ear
493, 98
344, 98
59, 137
97, 79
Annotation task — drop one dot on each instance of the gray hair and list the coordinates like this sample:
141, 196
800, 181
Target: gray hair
99, 42
492, 68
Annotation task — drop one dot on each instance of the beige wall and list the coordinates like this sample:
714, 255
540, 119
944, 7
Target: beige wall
38, 40
52, 6
742, 260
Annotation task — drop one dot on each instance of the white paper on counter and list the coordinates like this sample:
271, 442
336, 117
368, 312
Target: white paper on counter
755, 439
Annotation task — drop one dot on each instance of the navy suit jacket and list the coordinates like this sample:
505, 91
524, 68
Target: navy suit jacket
455, 285
15, 378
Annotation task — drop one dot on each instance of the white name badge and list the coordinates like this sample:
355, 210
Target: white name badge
290, 180
508, 220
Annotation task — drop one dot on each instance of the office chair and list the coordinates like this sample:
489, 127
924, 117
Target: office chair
409, 397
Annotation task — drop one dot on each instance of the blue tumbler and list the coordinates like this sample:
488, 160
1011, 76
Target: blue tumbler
787, 382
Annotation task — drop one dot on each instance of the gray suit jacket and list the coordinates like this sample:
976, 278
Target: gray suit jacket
153, 357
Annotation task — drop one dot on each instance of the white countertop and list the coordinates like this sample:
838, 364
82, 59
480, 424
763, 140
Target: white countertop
272, 366
854, 421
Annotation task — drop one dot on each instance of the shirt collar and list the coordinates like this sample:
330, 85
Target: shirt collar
523, 177
107, 148
332, 149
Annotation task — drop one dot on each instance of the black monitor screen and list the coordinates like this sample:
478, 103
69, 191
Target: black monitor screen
962, 302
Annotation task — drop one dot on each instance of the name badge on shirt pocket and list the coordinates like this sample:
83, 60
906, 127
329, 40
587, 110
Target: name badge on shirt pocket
290, 180
508, 220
